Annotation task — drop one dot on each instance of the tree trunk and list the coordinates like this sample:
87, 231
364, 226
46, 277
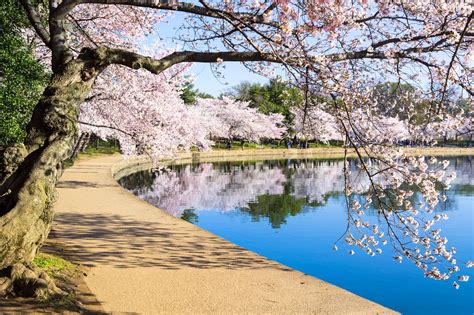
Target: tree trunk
81, 145
30, 171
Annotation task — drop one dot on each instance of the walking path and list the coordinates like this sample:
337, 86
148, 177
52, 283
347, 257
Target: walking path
142, 260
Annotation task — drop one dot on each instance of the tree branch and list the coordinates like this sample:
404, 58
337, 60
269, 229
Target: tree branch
137, 61
60, 49
467, 89
451, 63
156, 66
35, 21
178, 6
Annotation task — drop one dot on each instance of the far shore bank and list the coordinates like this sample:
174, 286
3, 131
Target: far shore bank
135, 164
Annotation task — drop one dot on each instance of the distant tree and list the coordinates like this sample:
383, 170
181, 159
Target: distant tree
248, 92
276, 97
230, 119
315, 124
402, 101
190, 94
22, 78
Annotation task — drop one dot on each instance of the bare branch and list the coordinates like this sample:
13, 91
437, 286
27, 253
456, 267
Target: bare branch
137, 61
177, 6
35, 21
451, 63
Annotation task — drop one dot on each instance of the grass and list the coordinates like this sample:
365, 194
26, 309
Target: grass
237, 145
62, 302
55, 266
101, 147
91, 151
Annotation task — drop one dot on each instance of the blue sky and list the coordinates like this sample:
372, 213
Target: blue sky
233, 72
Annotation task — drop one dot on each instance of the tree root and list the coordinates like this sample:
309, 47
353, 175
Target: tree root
27, 280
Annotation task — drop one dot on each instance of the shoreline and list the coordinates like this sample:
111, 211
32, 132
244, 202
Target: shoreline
141, 259
135, 164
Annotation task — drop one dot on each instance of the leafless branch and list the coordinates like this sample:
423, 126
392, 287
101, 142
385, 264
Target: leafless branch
35, 20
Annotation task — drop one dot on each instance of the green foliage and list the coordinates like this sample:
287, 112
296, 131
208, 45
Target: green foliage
275, 97
190, 94
12, 12
22, 78
98, 146
190, 216
404, 94
53, 265
466, 106
276, 208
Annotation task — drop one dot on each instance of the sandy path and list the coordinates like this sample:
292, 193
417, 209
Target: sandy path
143, 260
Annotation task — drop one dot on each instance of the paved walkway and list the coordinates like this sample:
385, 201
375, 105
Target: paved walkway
142, 260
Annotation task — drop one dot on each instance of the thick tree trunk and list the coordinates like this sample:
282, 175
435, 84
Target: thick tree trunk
30, 171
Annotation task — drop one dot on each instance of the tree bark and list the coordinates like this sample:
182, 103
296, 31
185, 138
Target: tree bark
30, 171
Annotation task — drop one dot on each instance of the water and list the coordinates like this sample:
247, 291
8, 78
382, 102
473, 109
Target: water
293, 211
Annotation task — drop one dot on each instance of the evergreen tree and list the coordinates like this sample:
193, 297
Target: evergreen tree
275, 97
190, 94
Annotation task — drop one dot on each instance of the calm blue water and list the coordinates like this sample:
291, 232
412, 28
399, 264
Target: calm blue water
293, 212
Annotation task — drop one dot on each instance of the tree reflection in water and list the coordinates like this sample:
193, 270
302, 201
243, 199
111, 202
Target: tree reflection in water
270, 185
244, 185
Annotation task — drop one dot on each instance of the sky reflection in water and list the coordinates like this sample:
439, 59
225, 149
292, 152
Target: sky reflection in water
292, 211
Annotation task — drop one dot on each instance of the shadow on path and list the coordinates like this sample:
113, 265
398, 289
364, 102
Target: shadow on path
79, 184
122, 242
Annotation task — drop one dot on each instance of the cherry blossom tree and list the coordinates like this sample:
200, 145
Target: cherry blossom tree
144, 112
231, 119
315, 124
384, 130
448, 126
339, 49
147, 115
